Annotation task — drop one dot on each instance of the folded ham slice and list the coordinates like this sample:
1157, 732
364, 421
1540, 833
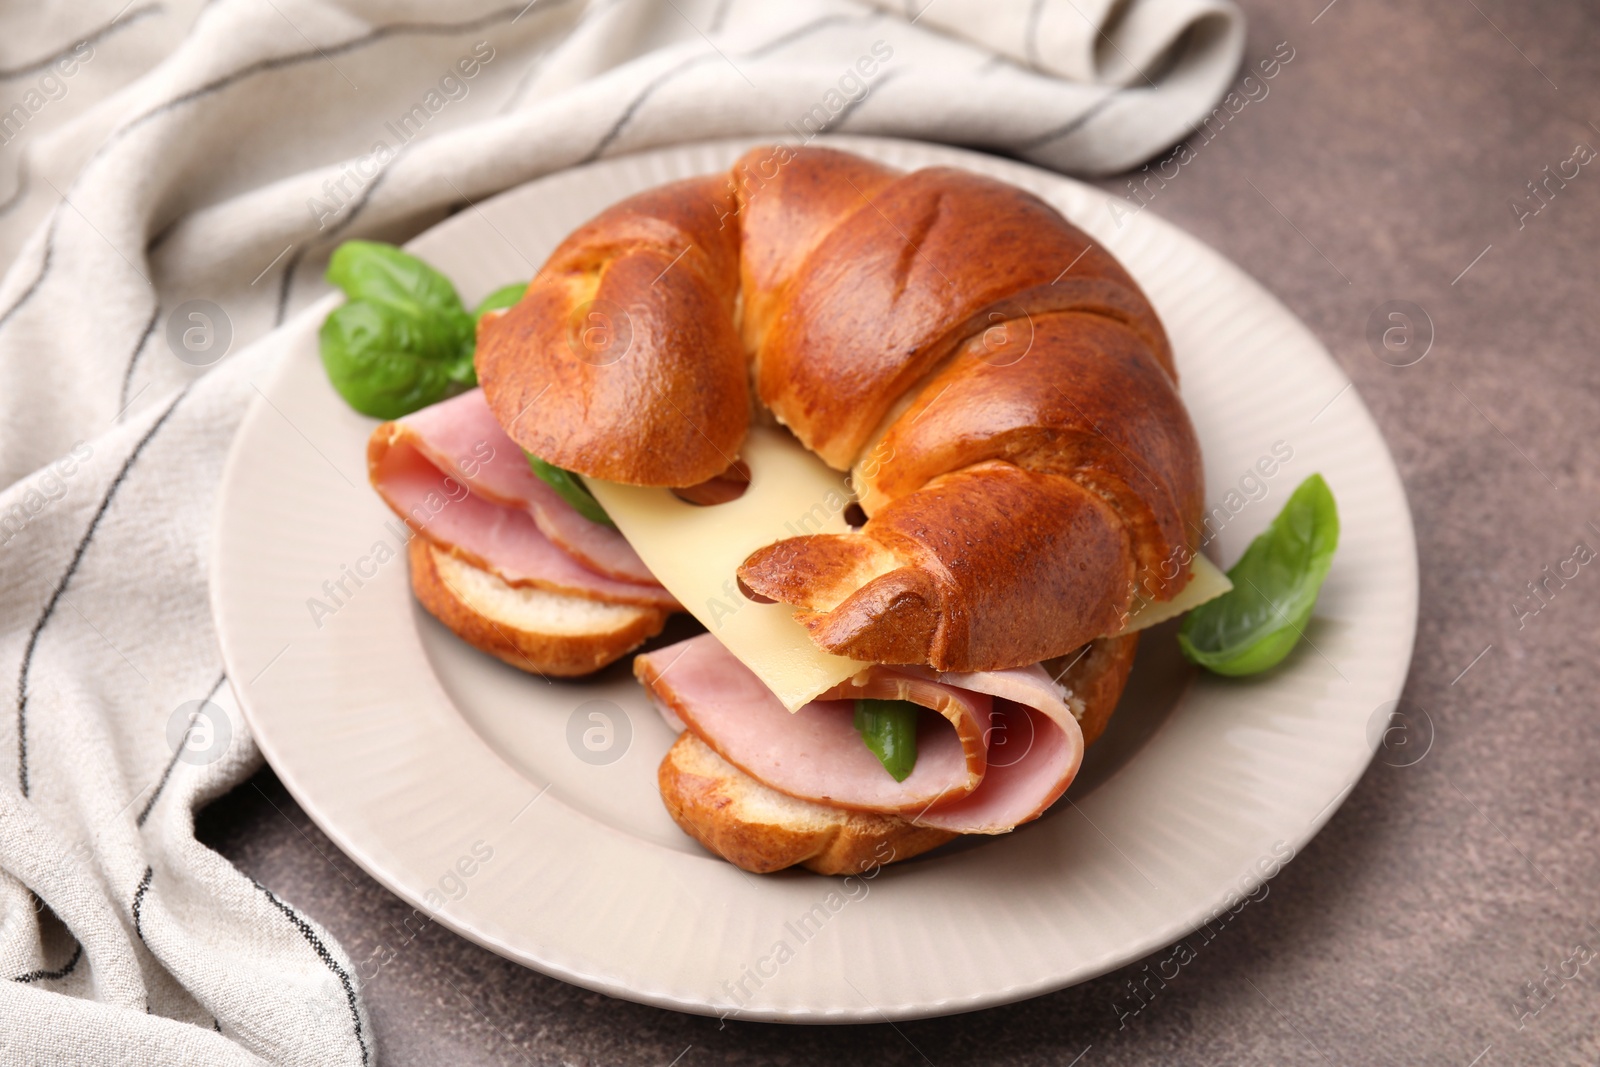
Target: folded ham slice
1007, 749
460, 436
1035, 747
455, 477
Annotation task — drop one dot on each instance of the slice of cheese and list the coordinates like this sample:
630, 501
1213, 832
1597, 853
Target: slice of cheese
1206, 582
695, 552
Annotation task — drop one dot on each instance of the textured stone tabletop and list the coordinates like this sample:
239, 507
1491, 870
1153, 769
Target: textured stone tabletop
1385, 162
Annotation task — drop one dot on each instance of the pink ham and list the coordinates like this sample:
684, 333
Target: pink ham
460, 436
1035, 749
1014, 793
814, 753
505, 541
967, 779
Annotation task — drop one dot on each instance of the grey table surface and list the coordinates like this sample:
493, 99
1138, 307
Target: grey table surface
1386, 158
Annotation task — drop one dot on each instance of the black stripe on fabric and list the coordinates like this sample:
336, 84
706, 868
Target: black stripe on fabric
1030, 40
155, 243
173, 762
718, 17
133, 358
138, 900
993, 63
21, 190
537, 63
1071, 126
788, 37
44, 267
531, 71
439, 29
291, 268
286, 283
326, 957
806, 29
638, 101
25, 162
61, 588
92, 38
50, 976
261, 66
850, 109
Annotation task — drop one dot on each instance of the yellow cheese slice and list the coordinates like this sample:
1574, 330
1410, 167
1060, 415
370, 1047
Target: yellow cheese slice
1207, 582
695, 552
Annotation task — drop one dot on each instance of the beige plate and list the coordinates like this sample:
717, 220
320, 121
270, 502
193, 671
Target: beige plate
414, 752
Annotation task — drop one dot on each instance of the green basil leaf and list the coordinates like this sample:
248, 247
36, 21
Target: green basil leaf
1251, 628
503, 297
571, 488
384, 274
388, 365
403, 340
889, 728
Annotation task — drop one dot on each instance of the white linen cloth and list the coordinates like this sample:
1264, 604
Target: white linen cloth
173, 151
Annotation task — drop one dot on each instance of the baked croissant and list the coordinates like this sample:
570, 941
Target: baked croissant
1001, 390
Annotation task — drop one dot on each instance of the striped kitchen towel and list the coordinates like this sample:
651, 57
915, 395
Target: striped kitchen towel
159, 156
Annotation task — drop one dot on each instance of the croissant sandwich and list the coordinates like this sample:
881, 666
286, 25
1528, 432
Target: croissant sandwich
908, 445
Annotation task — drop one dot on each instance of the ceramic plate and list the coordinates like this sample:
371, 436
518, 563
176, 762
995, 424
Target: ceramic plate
523, 813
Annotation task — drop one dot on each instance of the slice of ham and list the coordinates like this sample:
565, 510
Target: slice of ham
1015, 793
814, 753
506, 541
461, 436
1033, 743
1008, 748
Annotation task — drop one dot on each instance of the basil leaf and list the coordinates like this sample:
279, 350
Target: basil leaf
1252, 627
571, 488
503, 297
403, 340
889, 728
387, 366
384, 274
